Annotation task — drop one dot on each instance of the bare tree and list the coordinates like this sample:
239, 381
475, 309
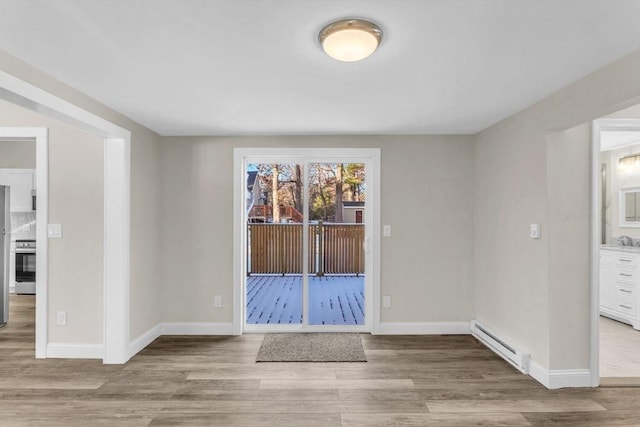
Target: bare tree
283, 184
339, 184
297, 195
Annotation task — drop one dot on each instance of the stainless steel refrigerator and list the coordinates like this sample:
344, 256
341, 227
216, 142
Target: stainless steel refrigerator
5, 240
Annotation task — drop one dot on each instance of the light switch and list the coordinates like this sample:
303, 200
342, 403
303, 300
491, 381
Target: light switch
62, 318
54, 231
386, 301
535, 232
386, 231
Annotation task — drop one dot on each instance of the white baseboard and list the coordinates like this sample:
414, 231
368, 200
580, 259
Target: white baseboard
96, 351
144, 340
197, 328
75, 351
425, 328
560, 378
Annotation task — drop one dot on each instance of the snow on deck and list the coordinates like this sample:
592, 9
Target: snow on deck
333, 300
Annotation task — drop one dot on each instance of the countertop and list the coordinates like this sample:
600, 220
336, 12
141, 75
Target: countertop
635, 249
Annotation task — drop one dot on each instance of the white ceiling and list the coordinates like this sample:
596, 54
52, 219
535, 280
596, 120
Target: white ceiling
224, 67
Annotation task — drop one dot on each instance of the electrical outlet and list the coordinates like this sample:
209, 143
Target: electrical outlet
62, 318
386, 301
386, 231
217, 301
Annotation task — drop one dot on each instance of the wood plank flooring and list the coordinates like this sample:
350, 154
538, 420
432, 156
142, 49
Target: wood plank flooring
409, 381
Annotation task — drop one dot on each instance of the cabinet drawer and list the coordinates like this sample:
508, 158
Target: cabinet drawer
627, 276
627, 260
627, 308
627, 294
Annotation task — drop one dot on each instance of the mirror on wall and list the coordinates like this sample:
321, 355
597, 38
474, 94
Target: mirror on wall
630, 207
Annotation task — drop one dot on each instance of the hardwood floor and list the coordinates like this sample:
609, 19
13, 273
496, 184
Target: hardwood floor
408, 380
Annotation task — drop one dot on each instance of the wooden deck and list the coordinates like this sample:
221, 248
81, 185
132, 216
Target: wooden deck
333, 300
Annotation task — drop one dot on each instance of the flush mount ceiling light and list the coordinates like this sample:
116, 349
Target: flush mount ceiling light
350, 40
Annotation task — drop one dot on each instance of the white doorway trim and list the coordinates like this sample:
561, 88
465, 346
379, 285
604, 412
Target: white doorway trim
40, 135
597, 127
371, 158
117, 166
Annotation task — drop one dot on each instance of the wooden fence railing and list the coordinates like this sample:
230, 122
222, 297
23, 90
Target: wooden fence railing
333, 249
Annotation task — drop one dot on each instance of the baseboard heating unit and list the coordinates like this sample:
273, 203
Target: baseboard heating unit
500, 346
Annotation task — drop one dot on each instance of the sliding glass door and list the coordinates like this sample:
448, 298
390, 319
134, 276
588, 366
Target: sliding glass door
305, 244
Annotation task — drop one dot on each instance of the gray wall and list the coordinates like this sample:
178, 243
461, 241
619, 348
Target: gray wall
426, 195
525, 169
75, 201
17, 154
146, 232
568, 238
146, 236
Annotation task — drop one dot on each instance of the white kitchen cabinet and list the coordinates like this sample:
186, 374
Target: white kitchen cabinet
21, 182
620, 285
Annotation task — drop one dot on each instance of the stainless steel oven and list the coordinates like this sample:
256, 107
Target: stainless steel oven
25, 266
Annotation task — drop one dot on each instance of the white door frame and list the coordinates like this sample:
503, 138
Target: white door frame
371, 158
40, 135
117, 183
597, 127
